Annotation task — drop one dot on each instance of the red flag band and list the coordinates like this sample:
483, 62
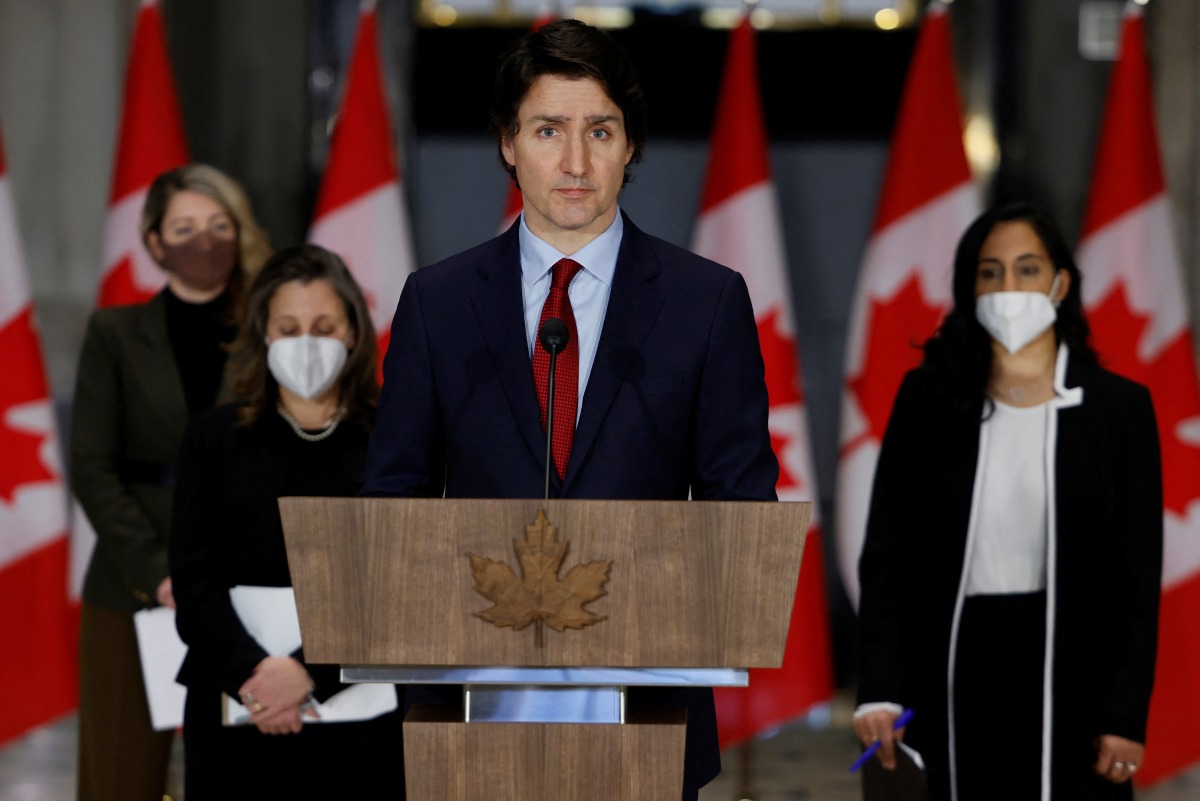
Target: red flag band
151, 141
739, 226
1133, 292
927, 200
360, 213
36, 616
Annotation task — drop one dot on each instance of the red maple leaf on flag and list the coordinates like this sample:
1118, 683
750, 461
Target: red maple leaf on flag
787, 479
783, 386
782, 367
119, 287
1116, 331
896, 329
23, 383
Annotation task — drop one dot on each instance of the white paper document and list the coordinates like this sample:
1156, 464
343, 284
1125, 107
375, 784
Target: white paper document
269, 616
161, 652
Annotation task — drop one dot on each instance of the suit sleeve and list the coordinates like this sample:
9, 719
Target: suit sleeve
733, 459
204, 614
1137, 569
882, 607
406, 457
96, 455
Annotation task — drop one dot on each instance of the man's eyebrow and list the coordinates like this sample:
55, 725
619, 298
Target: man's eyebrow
559, 118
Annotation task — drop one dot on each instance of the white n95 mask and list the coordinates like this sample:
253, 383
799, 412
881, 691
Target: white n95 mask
307, 365
1014, 319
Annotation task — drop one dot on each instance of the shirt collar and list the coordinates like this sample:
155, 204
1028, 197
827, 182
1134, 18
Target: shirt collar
598, 257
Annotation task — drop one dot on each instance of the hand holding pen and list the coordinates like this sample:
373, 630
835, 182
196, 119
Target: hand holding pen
877, 743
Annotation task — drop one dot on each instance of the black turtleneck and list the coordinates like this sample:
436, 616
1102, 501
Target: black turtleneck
199, 333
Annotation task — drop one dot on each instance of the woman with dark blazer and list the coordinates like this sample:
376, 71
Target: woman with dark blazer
1011, 568
304, 363
142, 371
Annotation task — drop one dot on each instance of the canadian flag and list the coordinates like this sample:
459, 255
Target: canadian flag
928, 199
1133, 292
151, 141
739, 226
360, 212
37, 621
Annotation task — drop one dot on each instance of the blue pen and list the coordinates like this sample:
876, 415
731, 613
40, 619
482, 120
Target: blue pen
873, 748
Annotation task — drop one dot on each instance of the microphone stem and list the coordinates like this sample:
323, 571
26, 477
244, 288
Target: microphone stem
550, 420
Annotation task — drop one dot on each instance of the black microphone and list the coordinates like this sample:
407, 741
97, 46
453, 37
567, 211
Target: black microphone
553, 337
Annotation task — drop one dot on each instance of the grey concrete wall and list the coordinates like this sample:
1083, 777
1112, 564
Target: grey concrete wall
61, 68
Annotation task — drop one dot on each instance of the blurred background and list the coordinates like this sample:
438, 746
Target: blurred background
259, 80
259, 83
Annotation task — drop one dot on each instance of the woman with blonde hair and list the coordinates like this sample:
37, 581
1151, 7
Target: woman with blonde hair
143, 371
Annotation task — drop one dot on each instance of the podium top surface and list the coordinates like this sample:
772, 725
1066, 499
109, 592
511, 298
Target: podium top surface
547, 676
440, 582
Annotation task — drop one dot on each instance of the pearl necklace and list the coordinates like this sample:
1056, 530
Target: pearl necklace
323, 433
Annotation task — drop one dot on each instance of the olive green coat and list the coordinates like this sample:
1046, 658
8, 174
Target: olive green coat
127, 422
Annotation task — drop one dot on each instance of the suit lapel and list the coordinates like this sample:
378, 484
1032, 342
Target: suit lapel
151, 347
633, 306
499, 307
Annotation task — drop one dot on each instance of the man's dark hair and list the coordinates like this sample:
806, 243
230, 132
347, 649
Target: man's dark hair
568, 49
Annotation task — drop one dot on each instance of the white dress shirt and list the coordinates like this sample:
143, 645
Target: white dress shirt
588, 291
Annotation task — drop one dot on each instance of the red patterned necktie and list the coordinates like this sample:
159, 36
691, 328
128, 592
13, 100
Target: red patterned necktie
566, 368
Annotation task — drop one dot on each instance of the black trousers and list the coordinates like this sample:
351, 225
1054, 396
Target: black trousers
998, 697
324, 761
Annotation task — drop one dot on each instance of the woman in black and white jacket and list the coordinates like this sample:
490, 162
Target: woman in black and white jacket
1011, 568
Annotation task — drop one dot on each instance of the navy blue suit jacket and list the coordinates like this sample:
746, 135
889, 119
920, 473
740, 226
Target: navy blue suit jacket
676, 401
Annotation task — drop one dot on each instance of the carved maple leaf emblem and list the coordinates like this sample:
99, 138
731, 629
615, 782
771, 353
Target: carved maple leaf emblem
539, 595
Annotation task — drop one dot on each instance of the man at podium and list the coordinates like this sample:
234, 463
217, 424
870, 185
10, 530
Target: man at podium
659, 391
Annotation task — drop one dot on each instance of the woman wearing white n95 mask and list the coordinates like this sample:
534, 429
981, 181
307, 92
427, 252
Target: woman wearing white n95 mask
1014, 544
304, 362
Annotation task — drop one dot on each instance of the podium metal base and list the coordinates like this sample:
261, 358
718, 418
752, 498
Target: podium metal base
447, 759
541, 703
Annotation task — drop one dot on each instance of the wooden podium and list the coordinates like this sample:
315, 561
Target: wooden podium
474, 592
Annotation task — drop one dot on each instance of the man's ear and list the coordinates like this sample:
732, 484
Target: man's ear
506, 148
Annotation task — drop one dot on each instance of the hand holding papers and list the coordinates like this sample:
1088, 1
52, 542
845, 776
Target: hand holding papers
269, 616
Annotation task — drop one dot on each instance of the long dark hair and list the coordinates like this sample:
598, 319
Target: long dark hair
959, 355
252, 379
